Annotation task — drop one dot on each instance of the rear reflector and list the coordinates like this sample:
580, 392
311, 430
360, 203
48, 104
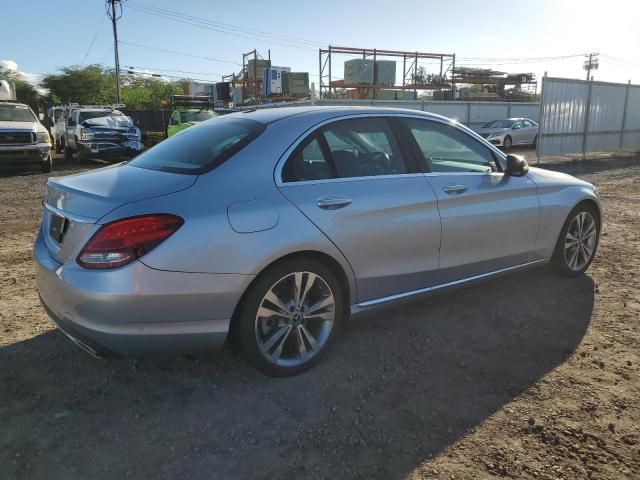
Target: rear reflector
121, 242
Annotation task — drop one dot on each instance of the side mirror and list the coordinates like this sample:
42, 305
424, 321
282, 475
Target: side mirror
515, 127
517, 166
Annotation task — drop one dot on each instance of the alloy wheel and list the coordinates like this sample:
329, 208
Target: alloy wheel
580, 241
295, 318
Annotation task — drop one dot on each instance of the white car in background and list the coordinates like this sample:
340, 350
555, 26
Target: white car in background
510, 131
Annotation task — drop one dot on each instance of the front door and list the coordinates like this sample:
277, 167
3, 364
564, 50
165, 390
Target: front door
354, 182
489, 220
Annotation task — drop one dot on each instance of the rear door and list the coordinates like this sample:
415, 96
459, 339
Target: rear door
518, 132
531, 131
355, 181
489, 220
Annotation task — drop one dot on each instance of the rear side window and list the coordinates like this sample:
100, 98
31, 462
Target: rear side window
307, 163
200, 148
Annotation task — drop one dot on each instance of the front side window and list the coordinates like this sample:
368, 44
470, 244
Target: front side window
364, 147
447, 149
200, 148
201, 116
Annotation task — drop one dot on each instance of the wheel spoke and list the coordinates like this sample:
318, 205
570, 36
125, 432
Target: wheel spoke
277, 302
574, 258
311, 279
309, 337
266, 312
318, 306
278, 336
297, 288
571, 237
302, 347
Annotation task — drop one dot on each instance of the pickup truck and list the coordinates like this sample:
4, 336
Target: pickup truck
98, 131
24, 141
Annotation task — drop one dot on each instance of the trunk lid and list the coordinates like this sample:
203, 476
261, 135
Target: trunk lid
73, 204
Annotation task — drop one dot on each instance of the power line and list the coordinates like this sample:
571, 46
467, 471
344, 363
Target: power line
95, 35
203, 25
175, 71
620, 60
173, 52
222, 27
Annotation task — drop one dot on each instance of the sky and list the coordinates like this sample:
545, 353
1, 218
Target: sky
514, 36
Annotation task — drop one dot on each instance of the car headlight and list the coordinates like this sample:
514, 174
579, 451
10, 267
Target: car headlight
86, 134
133, 132
43, 137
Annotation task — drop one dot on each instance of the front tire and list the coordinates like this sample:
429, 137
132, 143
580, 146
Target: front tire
578, 241
290, 316
46, 165
82, 156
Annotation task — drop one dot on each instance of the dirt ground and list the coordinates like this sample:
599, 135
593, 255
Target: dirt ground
526, 376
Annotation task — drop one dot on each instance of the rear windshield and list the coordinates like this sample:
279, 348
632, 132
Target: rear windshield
200, 148
16, 113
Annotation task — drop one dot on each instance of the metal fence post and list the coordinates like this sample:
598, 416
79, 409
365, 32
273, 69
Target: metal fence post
624, 114
540, 118
585, 130
509, 110
469, 114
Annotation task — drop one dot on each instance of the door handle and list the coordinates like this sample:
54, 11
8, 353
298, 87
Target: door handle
333, 203
454, 189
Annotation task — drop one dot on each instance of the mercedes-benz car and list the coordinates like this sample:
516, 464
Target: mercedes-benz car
276, 226
510, 131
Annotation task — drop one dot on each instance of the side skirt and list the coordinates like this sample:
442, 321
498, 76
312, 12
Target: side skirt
362, 307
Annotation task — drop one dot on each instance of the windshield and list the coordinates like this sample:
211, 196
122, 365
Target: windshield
197, 116
97, 113
499, 124
16, 113
200, 148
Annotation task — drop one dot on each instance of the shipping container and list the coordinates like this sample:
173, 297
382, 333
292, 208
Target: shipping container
358, 71
385, 72
298, 84
255, 68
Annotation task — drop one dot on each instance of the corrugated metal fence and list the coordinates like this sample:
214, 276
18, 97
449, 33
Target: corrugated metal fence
579, 116
472, 114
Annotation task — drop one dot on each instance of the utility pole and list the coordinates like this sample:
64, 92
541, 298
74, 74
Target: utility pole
111, 7
591, 64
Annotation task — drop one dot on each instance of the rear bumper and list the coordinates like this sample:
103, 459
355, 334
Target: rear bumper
136, 310
17, 155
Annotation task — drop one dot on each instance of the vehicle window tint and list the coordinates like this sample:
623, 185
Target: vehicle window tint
447, 149
307, 163
528, 123
16, 113
364, 147
201, 147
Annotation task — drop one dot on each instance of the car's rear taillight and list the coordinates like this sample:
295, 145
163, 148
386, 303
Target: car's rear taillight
117, 243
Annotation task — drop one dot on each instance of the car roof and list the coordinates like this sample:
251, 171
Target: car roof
13, 103
274, 114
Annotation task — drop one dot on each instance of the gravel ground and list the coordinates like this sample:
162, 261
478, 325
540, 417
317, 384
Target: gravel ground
526, 376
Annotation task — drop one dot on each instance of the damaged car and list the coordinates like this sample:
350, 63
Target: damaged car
101, 132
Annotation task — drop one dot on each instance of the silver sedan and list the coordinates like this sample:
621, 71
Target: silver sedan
276, 226
510, 131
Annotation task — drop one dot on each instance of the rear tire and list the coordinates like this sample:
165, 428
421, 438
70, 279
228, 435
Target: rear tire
82, 156
46, 165
281, 332
506, 144
535, 141
578, 241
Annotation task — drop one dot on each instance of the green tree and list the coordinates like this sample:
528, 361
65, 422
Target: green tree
85, 85
145, 93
